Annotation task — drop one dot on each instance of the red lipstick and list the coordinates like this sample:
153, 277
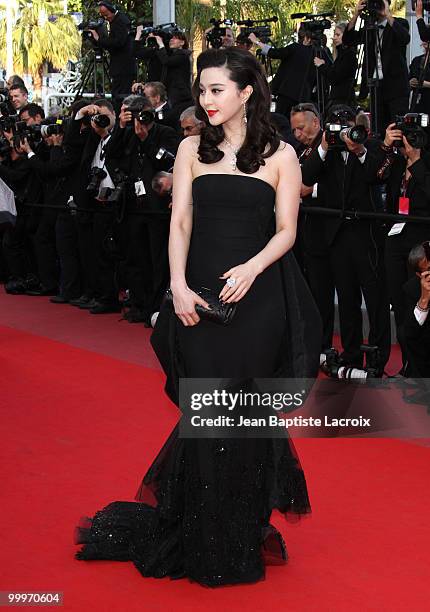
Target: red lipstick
211, 113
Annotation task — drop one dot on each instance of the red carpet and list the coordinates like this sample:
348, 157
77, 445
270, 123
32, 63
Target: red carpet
81, 427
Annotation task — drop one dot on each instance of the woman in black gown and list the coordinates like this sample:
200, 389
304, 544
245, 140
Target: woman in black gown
204, 506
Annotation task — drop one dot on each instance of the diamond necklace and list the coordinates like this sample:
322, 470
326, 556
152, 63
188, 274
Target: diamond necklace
235, 150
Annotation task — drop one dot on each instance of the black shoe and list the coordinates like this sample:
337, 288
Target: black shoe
136, 315
84, 299
102, 308
58, 299
16, 286
88, 305
20, 286
41, 290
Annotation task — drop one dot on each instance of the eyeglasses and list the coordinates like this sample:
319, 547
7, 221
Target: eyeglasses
305, 106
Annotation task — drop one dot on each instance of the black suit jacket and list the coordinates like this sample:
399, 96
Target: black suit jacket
120, 46
393, 55
176, 74
418, 188
138, 160
296, 74
154, 68
343, 186
341, 75
412, 329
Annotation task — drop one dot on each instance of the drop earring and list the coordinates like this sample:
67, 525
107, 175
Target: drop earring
245, 118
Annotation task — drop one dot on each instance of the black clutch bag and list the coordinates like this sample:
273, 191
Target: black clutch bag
219, 312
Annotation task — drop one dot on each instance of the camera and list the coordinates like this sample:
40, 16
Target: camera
7, 123
146, 116
5, 147
57, 127
259, 27
315, 24
411, 126
214, 37
335, 368
92, 24
96, 177
99, 119
336, 133
164, 154
165, 30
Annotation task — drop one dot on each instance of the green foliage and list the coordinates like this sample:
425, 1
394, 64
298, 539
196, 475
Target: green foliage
41, 34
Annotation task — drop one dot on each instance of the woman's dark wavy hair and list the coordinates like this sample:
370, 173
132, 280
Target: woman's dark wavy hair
244, 70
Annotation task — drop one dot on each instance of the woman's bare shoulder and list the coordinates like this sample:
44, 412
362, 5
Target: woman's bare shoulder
190, 145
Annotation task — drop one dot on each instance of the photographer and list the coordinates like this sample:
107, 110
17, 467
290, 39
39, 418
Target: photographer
44, 238
176, 70
32, 114
118, 43
156, 93
223, 40
190, 125
295, 77
422, 94
416, 327
311, 239
148, 53
346, 173
408, 192
341, 73
17, 173
18, 95
146, 147
98, 164
386, 59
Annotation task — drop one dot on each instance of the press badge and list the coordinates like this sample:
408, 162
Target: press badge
139, 188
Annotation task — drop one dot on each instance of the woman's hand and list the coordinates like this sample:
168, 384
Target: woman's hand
318, 61
242, 278
184, 303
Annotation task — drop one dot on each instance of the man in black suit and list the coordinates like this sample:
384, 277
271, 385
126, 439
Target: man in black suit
145, 228
311, 239
386, 61
118, 43
345, 181
416, 328
295, 77
94, 226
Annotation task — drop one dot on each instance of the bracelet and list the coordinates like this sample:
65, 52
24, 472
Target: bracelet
387, 148
422, 309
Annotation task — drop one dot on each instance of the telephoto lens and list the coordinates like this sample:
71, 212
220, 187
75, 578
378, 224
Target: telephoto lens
100, 120
146, 116
356, 133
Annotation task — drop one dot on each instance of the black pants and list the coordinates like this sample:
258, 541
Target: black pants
417, 347
146, 264
103, 228
66, 237
17, 246
318, 272
388, 109
358, 267
397, 270
87, 255
45, 249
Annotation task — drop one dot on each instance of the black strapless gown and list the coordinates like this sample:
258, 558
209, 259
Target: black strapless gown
204, 506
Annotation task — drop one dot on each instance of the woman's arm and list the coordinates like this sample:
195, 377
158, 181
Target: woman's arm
287, 207
181, 224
